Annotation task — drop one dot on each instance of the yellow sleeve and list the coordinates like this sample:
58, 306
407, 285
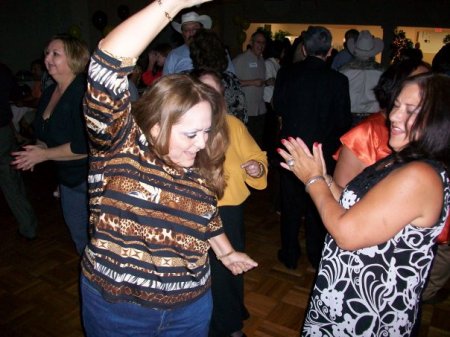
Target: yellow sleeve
242, 148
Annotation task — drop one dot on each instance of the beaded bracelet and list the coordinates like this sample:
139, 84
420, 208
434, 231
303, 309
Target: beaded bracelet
313, 180
165, 13
220, 257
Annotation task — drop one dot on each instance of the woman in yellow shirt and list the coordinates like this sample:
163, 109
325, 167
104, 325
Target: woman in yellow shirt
245, 165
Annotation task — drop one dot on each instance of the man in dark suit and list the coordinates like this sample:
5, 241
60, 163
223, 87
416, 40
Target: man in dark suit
314, 104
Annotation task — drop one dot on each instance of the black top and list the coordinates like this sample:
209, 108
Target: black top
66, 125
314, 103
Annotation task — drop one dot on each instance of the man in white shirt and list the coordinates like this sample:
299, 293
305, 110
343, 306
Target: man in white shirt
251, 71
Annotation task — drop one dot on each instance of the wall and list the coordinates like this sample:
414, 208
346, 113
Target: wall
337, 31
26, 25
384, 14
430, 40
427, 13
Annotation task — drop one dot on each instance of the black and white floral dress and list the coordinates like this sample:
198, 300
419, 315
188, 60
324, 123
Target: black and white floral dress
373, 291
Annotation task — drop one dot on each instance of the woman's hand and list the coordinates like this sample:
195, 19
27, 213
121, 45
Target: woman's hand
32, 155
301, 161
238, 263
253, 168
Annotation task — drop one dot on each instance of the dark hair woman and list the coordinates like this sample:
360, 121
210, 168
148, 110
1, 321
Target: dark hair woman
383, 226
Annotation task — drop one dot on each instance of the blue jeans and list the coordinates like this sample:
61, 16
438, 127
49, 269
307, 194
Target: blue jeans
75, 204
102, 318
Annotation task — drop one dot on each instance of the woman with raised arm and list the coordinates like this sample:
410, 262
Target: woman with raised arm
245, 165
156, 172
383, 226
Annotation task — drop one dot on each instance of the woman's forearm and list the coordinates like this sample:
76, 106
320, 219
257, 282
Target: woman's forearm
62, 153
327, 206
221, 245
236, 262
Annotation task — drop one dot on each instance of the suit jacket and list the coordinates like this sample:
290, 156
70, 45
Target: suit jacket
314, 104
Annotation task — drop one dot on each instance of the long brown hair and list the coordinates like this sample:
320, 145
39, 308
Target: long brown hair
430, 133
164, 104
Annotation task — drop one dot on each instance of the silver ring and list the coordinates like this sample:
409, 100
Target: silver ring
290, 162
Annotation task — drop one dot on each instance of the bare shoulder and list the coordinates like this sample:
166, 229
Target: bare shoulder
422, 187
417, 177
419, 172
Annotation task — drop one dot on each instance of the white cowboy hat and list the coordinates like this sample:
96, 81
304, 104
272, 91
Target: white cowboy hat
365, 46
205, 20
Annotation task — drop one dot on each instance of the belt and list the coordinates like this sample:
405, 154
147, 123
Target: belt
361, 114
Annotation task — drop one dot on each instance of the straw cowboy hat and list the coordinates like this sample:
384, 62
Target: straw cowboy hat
365, 46
205, 20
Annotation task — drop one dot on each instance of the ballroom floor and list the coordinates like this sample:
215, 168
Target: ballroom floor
39, 279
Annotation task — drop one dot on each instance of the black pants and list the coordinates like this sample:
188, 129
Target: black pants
271, 135
256, 127
295, 204
229, 310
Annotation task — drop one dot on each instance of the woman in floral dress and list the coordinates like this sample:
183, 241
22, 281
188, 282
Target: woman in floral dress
383, 225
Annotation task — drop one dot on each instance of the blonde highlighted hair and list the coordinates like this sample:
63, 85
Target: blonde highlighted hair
76, 51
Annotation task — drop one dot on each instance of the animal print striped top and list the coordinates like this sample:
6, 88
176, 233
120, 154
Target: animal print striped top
150, 223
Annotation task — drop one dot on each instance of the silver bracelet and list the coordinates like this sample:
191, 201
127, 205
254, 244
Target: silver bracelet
313, 180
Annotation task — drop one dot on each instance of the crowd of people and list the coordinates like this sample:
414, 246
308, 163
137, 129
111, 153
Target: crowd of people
154, 168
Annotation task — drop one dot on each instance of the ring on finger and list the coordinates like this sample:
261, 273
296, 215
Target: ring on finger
290, 162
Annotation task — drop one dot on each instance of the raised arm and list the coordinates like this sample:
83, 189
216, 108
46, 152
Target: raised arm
408, 195
133, 35
107, 101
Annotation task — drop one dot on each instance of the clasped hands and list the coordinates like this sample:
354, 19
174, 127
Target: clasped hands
253, 168
28, 157
302, 162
